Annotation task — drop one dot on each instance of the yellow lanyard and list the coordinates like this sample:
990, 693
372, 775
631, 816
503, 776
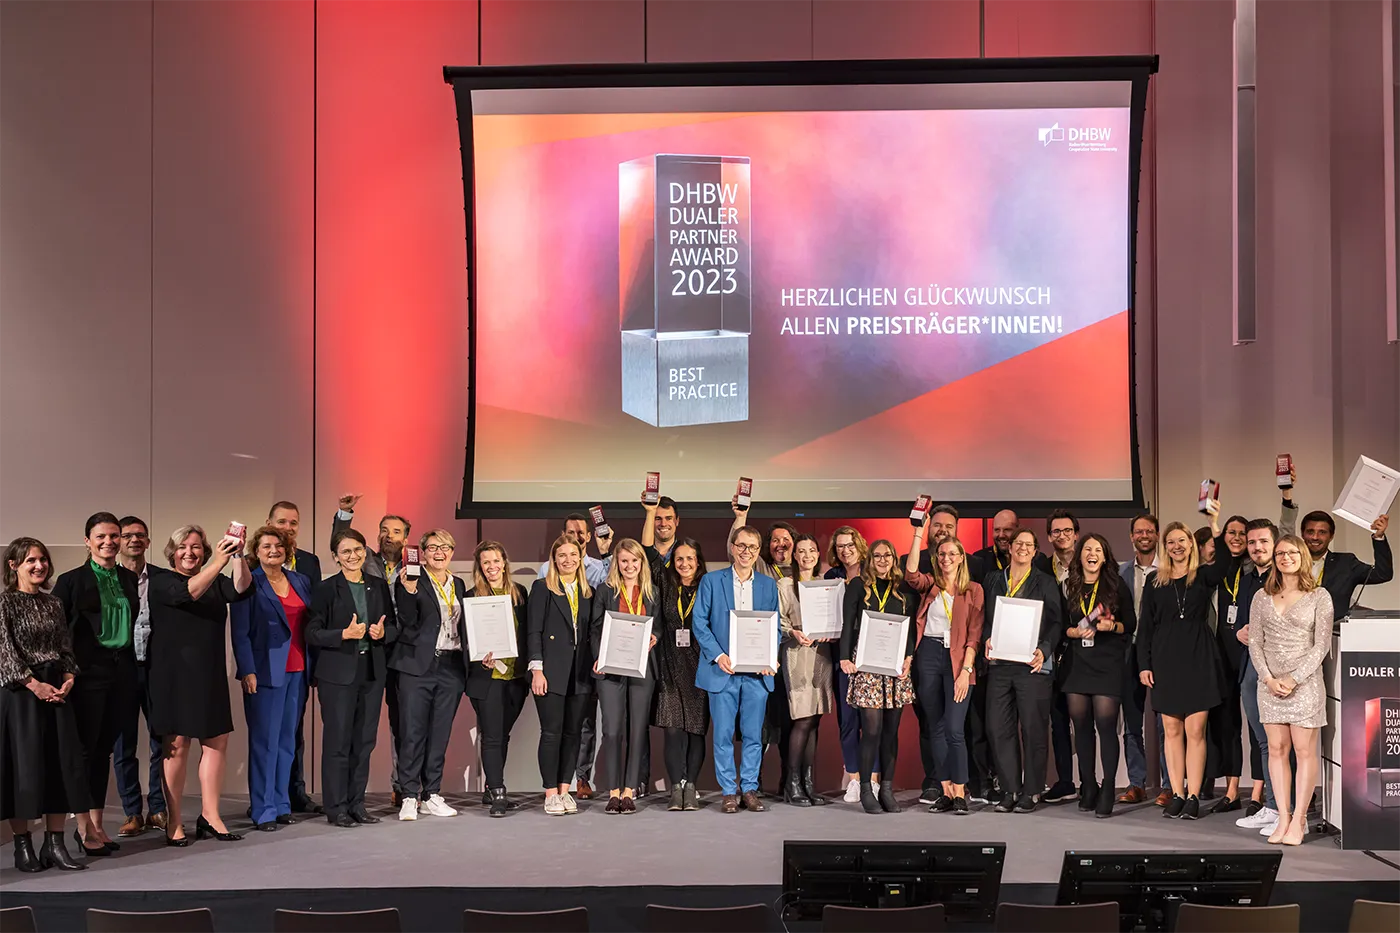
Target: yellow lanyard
947, 605
291, 565
572, 594
448, 593
1321, 569
1235, 590
1055, 566
685, 613
778, 570
625, 603
875, 589
1093, 596
1011, 591
997, 557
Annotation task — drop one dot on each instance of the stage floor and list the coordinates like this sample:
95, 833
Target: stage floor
653, 847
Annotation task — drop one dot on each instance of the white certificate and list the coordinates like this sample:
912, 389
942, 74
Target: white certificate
490, 624
820, 602
883, 640
626, 640
1016, 629
753, 641
1368, 493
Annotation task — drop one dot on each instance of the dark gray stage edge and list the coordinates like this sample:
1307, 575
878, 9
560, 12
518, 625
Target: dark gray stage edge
612, 861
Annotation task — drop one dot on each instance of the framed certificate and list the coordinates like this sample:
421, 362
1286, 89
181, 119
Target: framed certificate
753, 641
626, 641
820, 602
883, 639
1016, 629
1368, 493
490, 622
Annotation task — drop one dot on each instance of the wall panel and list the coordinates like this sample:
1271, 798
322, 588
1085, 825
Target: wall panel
1017, 28
722, 31
547, 32
895, 29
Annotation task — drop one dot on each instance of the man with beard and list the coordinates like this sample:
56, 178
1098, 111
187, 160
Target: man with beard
997, 555
1062, 528
385, 563
1145, 532
1232, 634
286, 516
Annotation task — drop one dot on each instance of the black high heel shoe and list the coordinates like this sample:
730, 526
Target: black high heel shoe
203, 828
90, 853
177, 843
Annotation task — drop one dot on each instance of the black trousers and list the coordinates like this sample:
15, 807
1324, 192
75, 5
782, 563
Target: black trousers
106, 696
561, 719
296, 786
588, 740
496, 714
391, 701
1224, 723
349, 728
926, 758
780, 724
1018, 713
685, 756
427, 705
625, 707
981, 763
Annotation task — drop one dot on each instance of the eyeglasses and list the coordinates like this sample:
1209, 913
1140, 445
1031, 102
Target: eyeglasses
883, 555
1062, 532
353, 552
1288, 553
438, 548
1024, 545
846, 547
746, 548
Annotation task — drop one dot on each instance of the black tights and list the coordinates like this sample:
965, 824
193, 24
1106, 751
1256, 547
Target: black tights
685, 755
1092, 713
802, 744
879, 729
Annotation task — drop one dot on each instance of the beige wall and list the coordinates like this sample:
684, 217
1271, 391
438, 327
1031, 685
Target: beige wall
195, 194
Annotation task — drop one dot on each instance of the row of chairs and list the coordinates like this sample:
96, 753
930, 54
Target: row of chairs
1366, 917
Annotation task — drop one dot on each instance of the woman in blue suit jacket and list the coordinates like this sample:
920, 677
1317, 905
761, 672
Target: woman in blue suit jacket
270, 652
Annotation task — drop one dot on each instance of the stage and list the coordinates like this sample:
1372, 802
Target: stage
614, 864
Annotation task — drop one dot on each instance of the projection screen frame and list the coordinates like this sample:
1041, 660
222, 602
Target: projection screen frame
1134, 69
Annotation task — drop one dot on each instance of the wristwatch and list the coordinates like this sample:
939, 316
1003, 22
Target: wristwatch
967, 669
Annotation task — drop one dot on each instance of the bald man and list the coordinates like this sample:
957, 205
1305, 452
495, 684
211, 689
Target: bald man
996, 556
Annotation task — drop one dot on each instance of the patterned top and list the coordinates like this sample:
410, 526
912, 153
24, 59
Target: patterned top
1292, 645
33, 631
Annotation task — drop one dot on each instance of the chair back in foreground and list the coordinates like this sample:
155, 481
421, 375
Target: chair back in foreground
21, 920
1043, 918
1210, 918
572, 920
328, 921
751, 918
926, 919
198, 920
1366, 917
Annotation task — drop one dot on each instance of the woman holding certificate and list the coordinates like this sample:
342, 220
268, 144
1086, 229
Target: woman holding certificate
807, 667
561, 667
1179, 660
847, 558
1100, 620
1018, 690
624, 700
682, 708
879, 698
496, 686
948, 629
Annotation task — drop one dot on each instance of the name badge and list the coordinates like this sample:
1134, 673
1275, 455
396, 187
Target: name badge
1087, 642
682, 638
1231, 615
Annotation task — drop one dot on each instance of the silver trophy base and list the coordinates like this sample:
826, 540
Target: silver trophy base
672, 380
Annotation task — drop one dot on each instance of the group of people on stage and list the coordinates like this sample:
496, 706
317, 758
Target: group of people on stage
1232, 636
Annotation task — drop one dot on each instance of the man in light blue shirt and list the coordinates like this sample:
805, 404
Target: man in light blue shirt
576, 529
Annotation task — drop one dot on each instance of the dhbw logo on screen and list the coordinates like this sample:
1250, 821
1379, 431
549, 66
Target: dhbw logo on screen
1078, 138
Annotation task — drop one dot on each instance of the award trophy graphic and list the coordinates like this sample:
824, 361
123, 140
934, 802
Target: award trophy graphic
684, 283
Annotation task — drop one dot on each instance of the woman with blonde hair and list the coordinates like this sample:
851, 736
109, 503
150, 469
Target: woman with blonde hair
496, 686
1178, 659
847, 557
560, 660
1290, 632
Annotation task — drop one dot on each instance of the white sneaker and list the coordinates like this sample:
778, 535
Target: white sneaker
1265, 817
874, 788
553, 805
436, 806
852, 792
1269, 829
569, 803
409, 810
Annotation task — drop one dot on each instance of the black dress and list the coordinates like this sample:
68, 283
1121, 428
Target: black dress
1099, 669
188, 658
1176, 644
42, 768
679, 703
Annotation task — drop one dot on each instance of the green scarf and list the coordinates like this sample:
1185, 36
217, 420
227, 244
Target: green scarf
116, 611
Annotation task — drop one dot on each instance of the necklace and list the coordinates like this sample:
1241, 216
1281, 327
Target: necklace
1180, 598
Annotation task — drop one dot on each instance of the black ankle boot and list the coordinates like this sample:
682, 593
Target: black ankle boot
55, 853
793, 792
1088, 795
1104, 808
886, 798
810, 786
25, 859
867, 799
498, 800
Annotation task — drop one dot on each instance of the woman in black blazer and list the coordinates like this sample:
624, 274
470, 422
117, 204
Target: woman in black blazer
432, 674
625, 702
351, 620
101, 600
496, 686
561, 667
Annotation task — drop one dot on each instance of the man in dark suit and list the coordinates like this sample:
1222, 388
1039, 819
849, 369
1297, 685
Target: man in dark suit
286, 516
1341, 573
996, 556
136, 539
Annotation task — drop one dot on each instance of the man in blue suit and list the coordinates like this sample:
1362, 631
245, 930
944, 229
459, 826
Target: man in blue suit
741, 697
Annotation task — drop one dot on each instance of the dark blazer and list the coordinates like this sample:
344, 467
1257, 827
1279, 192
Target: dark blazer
420, 621
966, 626
1039, 586
903, 601
479, 678
82, 604
260, 632
606, 599
1342, 573
552, 640
309, 566
331, 609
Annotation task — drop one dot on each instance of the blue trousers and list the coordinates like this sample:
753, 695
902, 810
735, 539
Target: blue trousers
1134, 698
744, 699
273, 715
849, 721
124, 763
1249, 693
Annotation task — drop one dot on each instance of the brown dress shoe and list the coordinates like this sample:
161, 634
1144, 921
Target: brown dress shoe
1164, 798
134, 826
752, 803
730, 804
584, 791
1132, 795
